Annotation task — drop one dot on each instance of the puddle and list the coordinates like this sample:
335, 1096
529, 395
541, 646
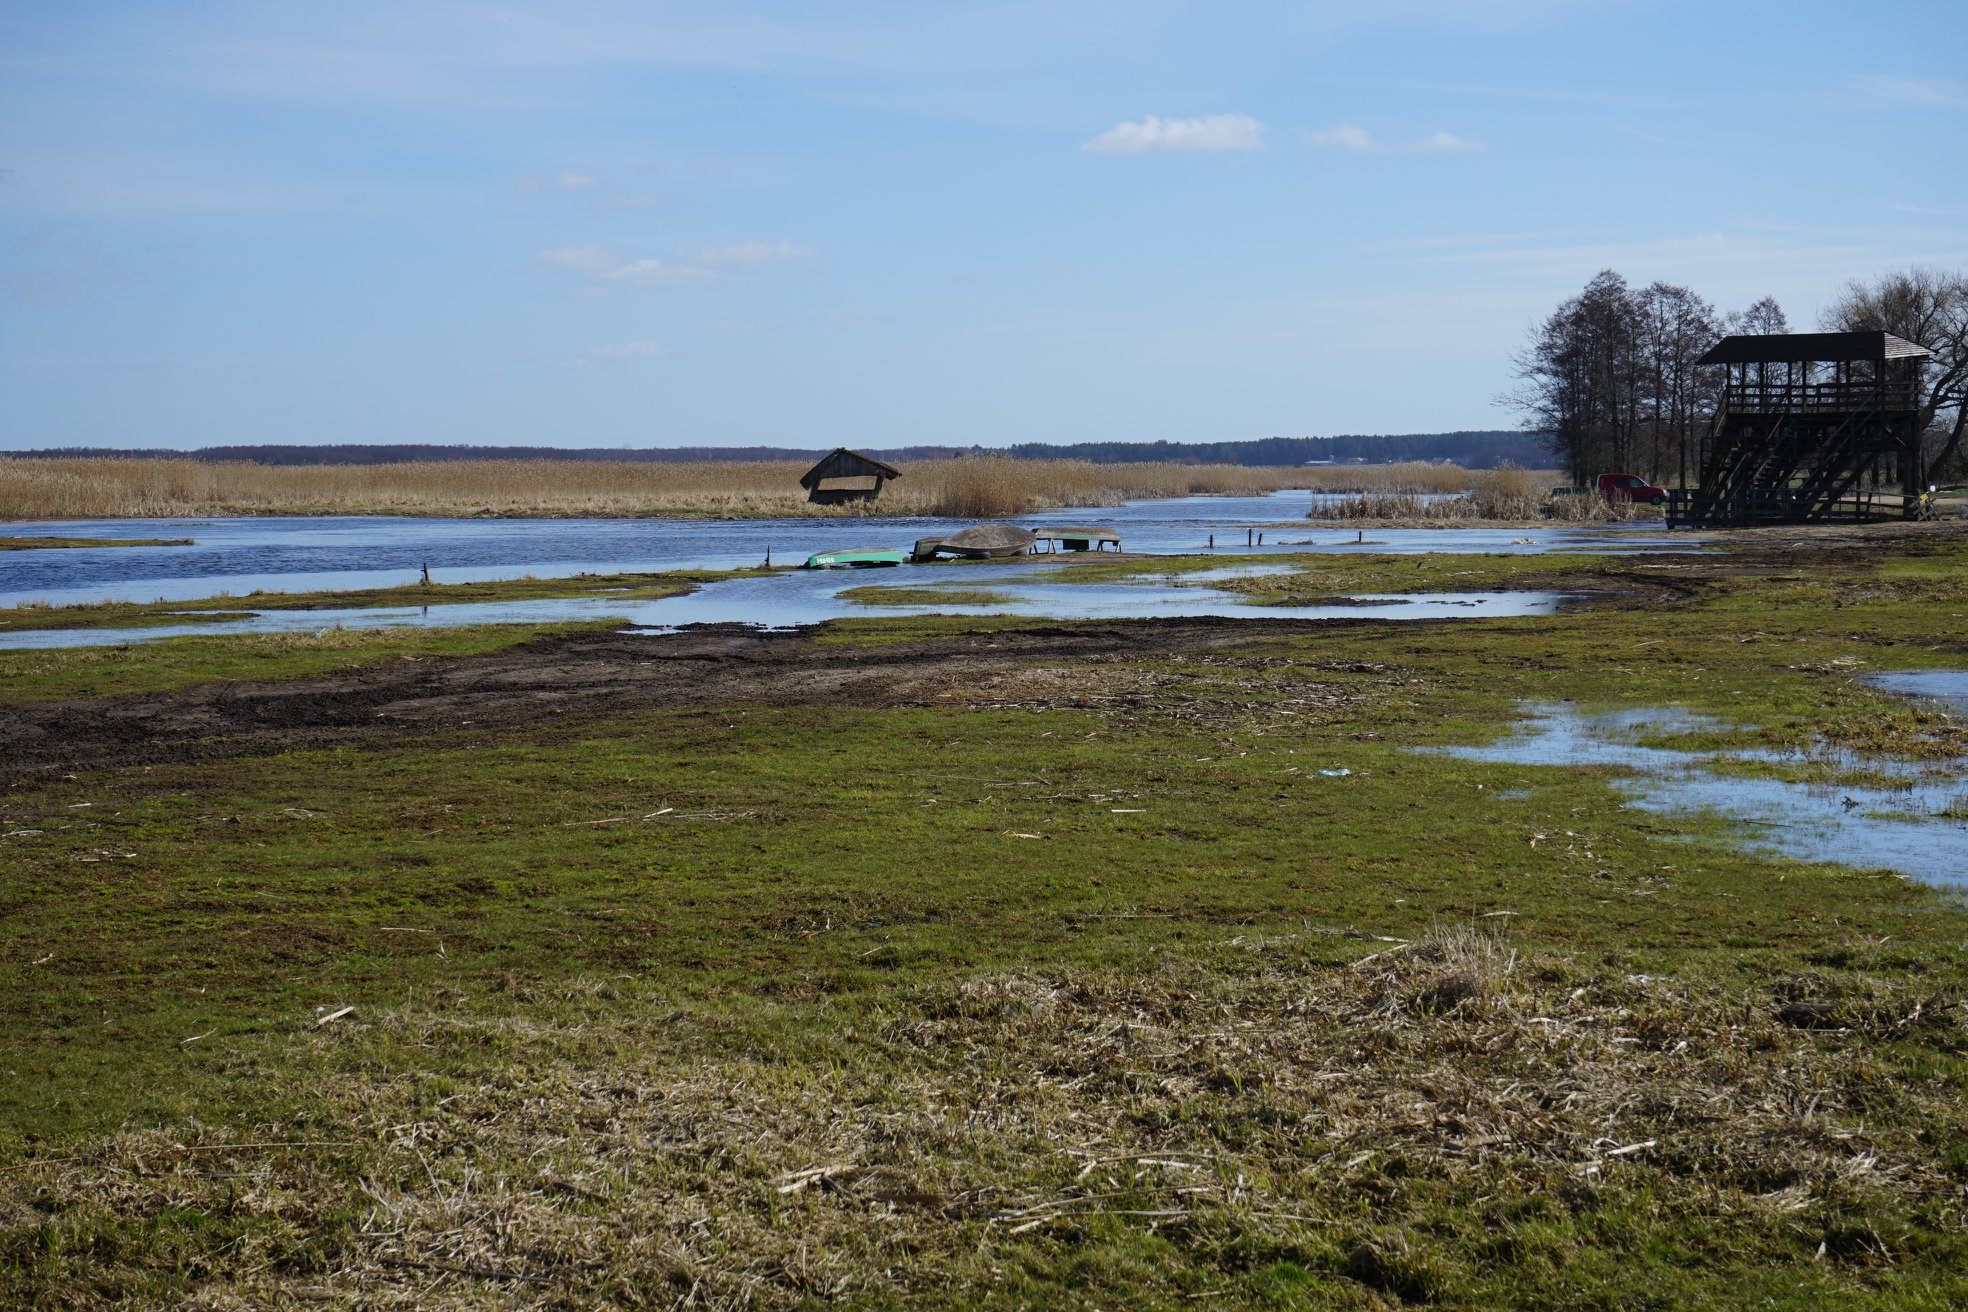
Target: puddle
1948, 687
1918, 825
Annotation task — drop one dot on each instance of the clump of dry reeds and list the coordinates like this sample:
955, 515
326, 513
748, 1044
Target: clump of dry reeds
983, 486
1505, 494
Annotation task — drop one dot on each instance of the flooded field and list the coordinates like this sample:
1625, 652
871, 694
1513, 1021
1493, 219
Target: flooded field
798, 597
237, 556
1915, 823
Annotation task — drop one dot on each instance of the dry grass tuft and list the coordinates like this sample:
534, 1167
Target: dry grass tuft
621, 1150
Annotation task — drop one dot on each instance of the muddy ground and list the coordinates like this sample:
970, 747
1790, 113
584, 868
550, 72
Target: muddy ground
588, 674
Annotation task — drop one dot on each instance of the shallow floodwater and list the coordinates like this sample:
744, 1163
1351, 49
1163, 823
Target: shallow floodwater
1917, 826
312, 554
1948, 687
795, 597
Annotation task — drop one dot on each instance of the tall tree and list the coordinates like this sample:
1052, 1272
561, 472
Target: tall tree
1930, 307
1765, 316
1676, 328
1610, 376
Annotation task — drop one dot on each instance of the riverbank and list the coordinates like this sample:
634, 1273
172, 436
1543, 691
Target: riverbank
994, 962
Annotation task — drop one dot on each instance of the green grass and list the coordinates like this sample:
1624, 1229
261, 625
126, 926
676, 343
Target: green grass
628, 978
50, 673
896, 594
1287, 574
123, 614
47, 544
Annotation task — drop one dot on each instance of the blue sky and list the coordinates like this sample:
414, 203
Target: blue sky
619, 224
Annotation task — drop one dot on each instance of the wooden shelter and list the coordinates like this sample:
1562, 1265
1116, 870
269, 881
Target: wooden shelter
846, 476
1810, 426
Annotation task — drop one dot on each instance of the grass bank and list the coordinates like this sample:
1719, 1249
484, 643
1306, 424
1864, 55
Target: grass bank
53, 673
1083, 987
132, 614
52, 544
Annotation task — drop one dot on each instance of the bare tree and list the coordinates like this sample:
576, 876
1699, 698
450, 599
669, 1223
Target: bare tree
1610, 376
1676, 328
1577, 377
1765, 316
1930, 307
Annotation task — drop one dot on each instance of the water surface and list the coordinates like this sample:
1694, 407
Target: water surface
1916, 824
329, 553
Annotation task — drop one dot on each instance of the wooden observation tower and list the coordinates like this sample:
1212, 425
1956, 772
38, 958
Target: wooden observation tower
1810, 426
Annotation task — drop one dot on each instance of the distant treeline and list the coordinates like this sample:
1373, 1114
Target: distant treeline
1472, 450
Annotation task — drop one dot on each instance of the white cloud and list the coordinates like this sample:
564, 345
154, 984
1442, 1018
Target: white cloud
643, 350
529, 183
655, 273
606, 268
1345, 135
750, 254
626, 204
1212, 132
588, 259
1447, 141
1348, 137
1921, 92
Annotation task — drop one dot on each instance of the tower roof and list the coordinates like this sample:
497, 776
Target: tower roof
1798, 348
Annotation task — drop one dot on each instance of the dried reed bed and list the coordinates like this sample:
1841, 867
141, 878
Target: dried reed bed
973, 486
1389, 1122
1408, 476
1506, 495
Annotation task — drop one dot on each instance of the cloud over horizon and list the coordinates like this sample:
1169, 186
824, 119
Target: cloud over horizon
1348, 137
1921, 92
606, 268
530, 183
638, 350
1212, 132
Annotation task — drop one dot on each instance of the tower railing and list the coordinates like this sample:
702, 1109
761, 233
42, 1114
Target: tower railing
1823, 398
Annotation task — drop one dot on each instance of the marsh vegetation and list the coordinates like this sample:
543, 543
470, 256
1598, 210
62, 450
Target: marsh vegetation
988, 963
972, 487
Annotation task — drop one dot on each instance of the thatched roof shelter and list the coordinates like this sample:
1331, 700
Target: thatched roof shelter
846, 475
